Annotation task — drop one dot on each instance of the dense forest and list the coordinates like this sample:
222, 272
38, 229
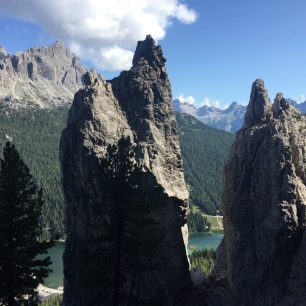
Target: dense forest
36, 134
204, 151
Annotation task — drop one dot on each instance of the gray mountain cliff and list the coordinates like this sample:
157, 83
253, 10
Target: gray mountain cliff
40, 77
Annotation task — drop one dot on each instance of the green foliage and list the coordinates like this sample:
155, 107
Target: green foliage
36, 135
198, 223
21, 270
54, 301
204, 151
203, 260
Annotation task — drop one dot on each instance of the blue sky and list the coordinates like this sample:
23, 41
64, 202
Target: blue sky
215, 57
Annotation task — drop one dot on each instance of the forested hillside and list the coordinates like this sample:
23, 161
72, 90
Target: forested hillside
204, 150
36, 134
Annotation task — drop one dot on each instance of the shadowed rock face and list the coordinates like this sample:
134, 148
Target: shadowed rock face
136, 104
264, 201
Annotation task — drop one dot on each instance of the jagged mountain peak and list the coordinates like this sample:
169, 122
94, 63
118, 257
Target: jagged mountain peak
46, 76
229, 119
180, 105
233, 105
150, 52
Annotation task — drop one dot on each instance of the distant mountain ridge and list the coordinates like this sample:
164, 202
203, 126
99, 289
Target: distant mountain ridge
43, 77
229, 119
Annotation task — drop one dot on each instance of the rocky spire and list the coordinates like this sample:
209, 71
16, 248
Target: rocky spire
264, 204
148, 51
259, 108
281, 107
137, 104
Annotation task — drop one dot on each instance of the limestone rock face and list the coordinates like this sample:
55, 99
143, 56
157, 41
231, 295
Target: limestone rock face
135, 104
41, 77
264, 204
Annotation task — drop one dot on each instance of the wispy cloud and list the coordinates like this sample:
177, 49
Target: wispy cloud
188, 99
206, 101
215, 103
103, 31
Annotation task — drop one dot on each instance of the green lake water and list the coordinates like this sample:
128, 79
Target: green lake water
196, 241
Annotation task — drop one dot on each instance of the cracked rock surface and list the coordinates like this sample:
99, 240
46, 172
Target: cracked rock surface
264, 205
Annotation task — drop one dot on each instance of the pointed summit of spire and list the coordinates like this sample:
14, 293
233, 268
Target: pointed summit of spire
259, 109
148, 50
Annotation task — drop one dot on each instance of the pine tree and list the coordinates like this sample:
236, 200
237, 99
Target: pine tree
128, 235
22, 265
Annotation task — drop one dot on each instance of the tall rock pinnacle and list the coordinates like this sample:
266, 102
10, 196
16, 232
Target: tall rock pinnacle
135, 104
259, 108
264, 205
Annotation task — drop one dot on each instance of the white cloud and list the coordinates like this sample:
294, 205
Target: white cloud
104, 31
189, 99
300, 99
209, 102
214, 103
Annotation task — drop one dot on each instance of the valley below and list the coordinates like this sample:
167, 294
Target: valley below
196, 241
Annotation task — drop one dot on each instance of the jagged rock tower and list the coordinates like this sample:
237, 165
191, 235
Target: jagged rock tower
264, 204
135, 104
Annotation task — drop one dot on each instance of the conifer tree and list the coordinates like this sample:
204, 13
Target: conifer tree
22, 265
127, 232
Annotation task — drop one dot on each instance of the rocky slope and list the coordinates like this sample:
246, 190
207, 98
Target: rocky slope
264, 204
41, 77
136, 104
